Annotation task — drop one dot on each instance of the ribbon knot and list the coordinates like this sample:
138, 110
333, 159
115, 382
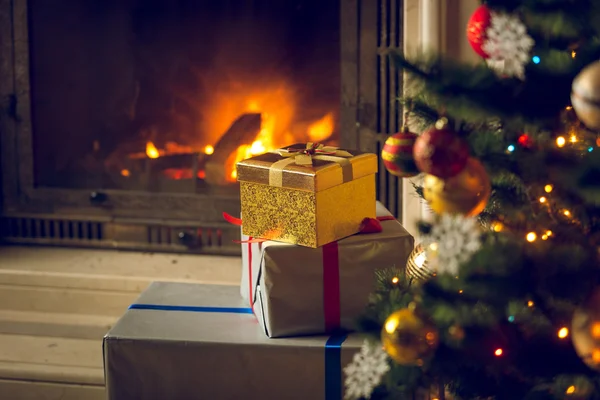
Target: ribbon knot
305, 156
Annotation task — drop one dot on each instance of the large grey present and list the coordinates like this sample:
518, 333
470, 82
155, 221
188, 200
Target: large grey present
185, 341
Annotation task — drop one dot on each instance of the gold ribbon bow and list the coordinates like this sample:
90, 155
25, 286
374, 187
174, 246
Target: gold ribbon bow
313, 151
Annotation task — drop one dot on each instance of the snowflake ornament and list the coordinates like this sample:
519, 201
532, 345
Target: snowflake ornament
508, 45
366, 370
453, 239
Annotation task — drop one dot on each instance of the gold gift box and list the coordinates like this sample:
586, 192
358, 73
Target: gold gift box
307, 194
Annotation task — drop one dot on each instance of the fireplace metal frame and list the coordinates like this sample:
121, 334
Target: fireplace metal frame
171, 221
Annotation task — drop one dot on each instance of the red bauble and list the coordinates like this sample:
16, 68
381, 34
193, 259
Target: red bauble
439, 151
397, 154
477, 27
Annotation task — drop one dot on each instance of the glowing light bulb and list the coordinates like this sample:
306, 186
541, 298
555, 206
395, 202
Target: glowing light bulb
567, 213
395, 280
570, 390
530, 304
549, 232
561, 141
498, 352
209, 150
548, 188
563, 332
573, 139
531, 237
544, 237
542, 199
497, 227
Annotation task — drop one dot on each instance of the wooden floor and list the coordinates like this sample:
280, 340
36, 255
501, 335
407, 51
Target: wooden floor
56, 305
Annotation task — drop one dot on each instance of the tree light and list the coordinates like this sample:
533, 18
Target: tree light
573, 139
395, 280
573, 53
549, 232
510, 148
497, 226
560, 141
542, 199
531, 237
596, 330
548, 188
567, 213
570, 390
536, 59
498, 352
530, 303
563, 332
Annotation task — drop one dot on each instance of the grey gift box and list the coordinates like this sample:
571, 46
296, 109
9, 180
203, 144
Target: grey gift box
186, 341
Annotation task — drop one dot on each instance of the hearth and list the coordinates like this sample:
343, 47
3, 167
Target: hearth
122, 120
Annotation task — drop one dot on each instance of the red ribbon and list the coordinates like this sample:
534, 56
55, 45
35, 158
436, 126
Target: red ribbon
331, 287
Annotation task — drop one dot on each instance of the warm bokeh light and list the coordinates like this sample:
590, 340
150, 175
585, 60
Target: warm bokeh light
498, 352
433, 246
596, 356
544, 237
395, 280
543, 199
570, 390
595, 329
531, 237
573, 53
209, 150
561, 141
563, 332
549, 232
460, 291
567, 213
151, 150
125, 172
497, 226
530, 303
573, 139
548, 188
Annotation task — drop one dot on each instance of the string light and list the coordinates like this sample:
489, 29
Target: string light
531, 237
395, 280
573, 53
460, 291
569, 108
544, 237
530, 304
498, 352
548, 188
549, 232
542, 199
511, 318
596, 356
536, 59
563, 332
561, 141
510, 148
567, 213
497, 226
590, 149
596, 330
570, 390
573, 139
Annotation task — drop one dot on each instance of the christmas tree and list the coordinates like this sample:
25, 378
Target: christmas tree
501, 299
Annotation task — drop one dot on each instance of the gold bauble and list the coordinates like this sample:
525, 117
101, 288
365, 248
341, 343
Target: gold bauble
585, 331
585, 95
407, 338
416, 266
466, 193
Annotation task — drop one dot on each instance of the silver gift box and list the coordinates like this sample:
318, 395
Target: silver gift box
186, 341
295, 290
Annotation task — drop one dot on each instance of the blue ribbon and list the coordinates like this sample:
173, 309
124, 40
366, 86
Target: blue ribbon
231, 310
333, 367
333, 346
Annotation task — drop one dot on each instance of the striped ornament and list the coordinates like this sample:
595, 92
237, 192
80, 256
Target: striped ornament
416, 266
397, 155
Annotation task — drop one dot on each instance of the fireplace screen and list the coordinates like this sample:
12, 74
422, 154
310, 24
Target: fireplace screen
166, 95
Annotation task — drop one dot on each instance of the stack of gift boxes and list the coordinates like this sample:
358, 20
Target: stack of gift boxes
312, 238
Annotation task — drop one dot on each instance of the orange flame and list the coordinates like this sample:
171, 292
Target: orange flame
321, 129
151, 150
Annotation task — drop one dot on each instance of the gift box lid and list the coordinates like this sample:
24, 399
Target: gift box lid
307, 166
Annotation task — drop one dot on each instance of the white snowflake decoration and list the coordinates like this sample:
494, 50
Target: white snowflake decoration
508, 45
453, 239
366, 370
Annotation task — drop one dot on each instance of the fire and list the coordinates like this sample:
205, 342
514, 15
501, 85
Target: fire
321, 129
151, 150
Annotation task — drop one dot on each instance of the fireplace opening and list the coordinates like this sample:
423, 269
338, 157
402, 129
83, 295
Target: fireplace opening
166, 95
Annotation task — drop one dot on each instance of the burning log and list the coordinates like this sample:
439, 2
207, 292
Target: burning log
244, 130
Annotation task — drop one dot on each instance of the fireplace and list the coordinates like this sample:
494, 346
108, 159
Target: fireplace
122, 120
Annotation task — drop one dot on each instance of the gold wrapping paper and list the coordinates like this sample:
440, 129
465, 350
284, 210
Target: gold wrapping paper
315, 204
